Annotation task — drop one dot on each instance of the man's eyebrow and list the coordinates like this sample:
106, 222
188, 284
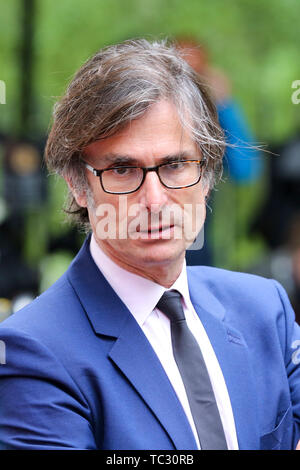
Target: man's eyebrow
190, 155
116, 159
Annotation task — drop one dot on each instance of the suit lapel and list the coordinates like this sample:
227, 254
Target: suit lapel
233, 356
131, 351
133, 354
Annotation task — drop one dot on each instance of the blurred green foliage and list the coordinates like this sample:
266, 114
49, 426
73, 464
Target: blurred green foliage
255, 41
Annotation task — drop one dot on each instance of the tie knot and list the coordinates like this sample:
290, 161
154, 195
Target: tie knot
170, 305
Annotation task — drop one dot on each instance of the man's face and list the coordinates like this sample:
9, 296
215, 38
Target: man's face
151, 140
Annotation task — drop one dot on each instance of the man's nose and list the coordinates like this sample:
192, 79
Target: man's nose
153, 193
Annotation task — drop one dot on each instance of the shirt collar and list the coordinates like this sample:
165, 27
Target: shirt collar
140, 295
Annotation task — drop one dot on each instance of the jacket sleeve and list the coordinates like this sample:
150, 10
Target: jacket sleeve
41, 407
292, 359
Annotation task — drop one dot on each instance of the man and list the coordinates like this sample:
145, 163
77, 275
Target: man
128, 349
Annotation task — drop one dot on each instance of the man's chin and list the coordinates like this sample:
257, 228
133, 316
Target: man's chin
158, 251
137, 254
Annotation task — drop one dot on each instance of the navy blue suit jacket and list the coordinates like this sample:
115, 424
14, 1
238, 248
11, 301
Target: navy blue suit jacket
79, 372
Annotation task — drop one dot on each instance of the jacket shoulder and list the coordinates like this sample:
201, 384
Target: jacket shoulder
219, 278
242, 292
46, 311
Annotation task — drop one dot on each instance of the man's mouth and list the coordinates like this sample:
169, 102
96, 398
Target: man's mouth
160, 229
156, 233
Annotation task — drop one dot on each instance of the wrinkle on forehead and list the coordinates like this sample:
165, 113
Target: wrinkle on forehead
157, 135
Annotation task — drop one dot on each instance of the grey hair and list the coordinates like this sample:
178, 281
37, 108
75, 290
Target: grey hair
117, 85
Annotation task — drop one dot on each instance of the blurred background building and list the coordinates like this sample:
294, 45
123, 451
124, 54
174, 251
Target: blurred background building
250, 58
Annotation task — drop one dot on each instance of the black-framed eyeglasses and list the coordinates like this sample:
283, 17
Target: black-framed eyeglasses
128, 179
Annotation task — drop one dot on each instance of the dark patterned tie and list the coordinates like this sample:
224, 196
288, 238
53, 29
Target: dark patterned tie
194, 374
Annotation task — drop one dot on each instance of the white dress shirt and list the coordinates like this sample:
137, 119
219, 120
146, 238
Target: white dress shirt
140, 295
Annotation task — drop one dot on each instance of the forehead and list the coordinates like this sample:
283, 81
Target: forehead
156, 134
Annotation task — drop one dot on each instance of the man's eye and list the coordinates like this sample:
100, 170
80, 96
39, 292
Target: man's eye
176, 166
121, 171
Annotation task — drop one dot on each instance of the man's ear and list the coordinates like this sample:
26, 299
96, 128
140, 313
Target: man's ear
206, 188
80, 197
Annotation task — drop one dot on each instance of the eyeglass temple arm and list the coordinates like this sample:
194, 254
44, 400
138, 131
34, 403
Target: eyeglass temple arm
89, 167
